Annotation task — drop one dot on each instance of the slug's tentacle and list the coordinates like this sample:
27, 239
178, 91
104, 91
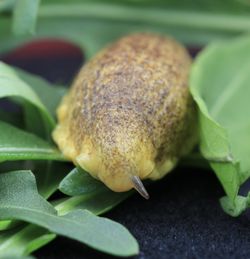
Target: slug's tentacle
139, 187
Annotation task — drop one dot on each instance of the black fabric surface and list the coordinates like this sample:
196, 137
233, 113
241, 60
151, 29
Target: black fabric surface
182, 219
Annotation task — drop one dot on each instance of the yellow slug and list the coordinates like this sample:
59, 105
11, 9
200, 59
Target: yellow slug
129, 115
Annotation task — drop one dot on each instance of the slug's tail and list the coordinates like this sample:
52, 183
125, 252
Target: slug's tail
139, 187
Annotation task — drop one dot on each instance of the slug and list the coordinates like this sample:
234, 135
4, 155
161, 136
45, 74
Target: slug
129, 115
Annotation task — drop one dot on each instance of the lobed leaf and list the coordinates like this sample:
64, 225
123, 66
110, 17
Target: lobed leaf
13, 86
98, 202
19, 199
23, 241
16, 144
33, 237
50, 95
220, 86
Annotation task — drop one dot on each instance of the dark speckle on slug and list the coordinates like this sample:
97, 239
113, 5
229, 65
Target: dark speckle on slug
129, 111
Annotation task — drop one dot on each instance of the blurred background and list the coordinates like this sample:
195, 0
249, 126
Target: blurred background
92, 23
79, 28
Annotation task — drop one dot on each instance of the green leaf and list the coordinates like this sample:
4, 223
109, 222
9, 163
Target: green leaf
34, 122
48, 176
24, 16
16, 144
220, 86
99, 233
31, 237
101, 22
235, 208
12, 86
19, 199
6, 224
79, 182
13, 118
89, 193
19, 193
38, 239
23, 241
50, 95
98, 202
6, 5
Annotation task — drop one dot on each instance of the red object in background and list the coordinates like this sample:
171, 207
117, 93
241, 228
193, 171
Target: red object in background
43, 48
39, 56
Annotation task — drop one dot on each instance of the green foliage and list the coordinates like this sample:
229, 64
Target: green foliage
26, 239
23, 241
98, 202
7, 5
50, 95
16, 144
11, 85
79, 182
237, 206
220, 85
19, 199
41, 99
24, 16
93, 23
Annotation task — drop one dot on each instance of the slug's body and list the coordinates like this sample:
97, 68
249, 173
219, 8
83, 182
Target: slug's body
129, 114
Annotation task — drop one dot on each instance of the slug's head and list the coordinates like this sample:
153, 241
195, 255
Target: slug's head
120, 154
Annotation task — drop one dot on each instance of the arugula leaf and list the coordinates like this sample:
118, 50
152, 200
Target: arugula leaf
12, 86
19, 199
48, 176
79, 182
50, 95
24, 16
18, 190
7, 224
89, 193
33, 237
23, 241
24, 146
98, 202
16, 144
235, 208
220, 86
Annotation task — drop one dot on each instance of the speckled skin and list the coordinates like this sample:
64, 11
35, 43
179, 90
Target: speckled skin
129, 111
